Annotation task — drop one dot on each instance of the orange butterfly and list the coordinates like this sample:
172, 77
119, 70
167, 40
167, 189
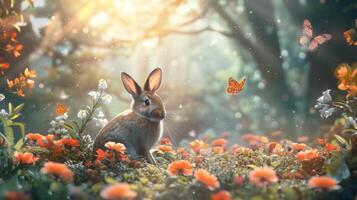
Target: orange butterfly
351, 35
61, 109
235, 87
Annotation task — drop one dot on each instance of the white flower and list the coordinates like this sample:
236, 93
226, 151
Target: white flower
101, 122
100, 114
107, 99
102, 85
2, 97
82, 114
93, 94
325, 98
351, 122
3, 113
65, 116
327, 112
61, 122
53, 123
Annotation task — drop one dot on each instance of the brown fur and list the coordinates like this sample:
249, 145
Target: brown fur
140, 128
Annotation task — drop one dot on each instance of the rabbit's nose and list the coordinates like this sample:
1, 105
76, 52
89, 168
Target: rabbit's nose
159, 113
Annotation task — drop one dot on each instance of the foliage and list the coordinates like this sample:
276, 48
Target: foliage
284, 167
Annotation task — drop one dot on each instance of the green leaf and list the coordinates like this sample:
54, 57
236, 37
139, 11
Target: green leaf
68, 126
343, 142
21, 126
5, 138
19, 144
338, 168
110, 180
10, 108
77, 125
19, 108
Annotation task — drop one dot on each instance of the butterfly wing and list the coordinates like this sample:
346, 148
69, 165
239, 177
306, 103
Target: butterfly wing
235, 87
303, 40
320, 39
306, 33
323, 38
307, 28
313, 45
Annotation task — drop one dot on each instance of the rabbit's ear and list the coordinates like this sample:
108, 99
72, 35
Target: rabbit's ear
154, 80
130, 84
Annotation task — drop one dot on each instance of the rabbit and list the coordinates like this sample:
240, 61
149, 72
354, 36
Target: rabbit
140, 127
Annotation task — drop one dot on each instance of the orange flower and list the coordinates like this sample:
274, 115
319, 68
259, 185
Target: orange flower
165, 141
46, 141
221, 195
4, 65
25, 158
262, 176
308, 155
219, 142
217, 149
322, 182
204, 177
180, 167
61, 109
49, 137
34, 136
166, 148
302, 139
273, 147
102, 154
14, 49
347, 77
118, 191
197, 145
298, 146
254, 139
184, 153
321, 141
15, 195
350, 36
238, 180
70, 142
30, 73
118, 147
22, 82
330, 147
58, 169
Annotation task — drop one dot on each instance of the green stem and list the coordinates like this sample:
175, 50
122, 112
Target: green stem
91, 112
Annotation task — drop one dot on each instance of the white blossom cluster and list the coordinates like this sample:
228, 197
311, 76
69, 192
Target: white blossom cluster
324, 106
100, 119
351, 122
100, 97
57, 125
4, 113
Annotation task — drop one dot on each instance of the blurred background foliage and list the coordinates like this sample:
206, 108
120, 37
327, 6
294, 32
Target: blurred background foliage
199, 44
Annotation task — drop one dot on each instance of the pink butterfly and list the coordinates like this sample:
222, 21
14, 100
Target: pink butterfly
308, 39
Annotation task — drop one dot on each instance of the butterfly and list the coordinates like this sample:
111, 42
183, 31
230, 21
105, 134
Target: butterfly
61, 109
307, 38
351, 35
235, 87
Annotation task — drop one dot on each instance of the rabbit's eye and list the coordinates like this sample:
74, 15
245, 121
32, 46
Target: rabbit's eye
147, 102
